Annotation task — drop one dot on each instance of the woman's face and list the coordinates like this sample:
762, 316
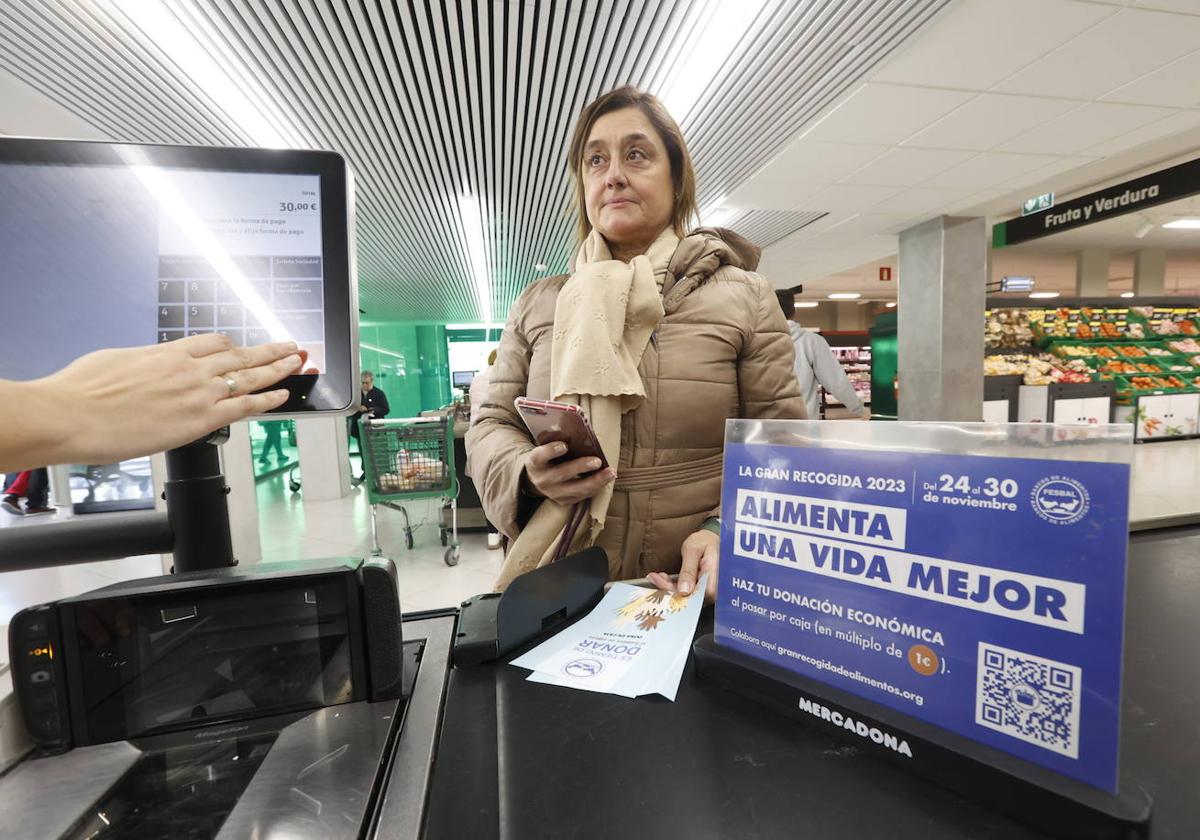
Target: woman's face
627, 180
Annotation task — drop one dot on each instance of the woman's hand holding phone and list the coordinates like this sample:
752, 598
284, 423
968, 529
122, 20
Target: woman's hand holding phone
567, 482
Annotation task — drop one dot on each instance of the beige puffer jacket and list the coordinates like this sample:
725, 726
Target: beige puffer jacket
722, 350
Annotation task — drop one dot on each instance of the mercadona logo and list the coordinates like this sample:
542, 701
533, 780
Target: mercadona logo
1060, 500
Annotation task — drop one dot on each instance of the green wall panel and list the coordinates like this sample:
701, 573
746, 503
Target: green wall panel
410, 365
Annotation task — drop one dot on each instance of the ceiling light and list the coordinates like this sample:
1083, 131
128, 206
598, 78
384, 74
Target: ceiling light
716, 214
540, 267
806, 304
1145, 227
1127, 294
845, 296
1183, 224
247, 114
468, 209
891, 304
376, 349
711, 42
1042, 295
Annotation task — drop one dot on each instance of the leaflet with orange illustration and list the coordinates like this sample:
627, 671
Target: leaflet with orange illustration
635, 642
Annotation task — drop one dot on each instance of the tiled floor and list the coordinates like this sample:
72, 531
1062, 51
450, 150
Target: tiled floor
293, 528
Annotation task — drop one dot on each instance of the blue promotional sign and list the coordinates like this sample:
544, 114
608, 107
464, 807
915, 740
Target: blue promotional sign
984, 595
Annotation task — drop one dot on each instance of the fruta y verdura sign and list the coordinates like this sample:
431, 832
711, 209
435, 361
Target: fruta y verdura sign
1129, 197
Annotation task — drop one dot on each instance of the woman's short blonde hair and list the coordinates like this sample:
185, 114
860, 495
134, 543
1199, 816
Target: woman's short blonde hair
683, 176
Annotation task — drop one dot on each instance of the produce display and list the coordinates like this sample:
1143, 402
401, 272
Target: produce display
1153, 383
1043, 369
1168, 320
1117, 366
1185, 346
1009, 328
1086, 323
1146, 352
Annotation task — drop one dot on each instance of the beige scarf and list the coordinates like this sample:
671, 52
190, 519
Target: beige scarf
603, 319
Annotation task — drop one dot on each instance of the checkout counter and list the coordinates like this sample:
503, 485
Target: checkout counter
477, 751
518, 759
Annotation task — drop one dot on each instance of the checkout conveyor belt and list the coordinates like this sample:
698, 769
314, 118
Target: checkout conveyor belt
336, 773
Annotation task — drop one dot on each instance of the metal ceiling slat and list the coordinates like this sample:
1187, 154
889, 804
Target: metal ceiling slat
369, 118
66, 36
558, 122
358, 60
372, 216
437, 152
370, 163
190, 113
427, 99
41, 52
520, 261
391, 63
551, 165
441, 222
593, 51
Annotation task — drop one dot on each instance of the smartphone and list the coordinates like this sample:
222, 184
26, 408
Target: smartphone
550, 421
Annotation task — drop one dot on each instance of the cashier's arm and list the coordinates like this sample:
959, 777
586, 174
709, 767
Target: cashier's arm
116, 404
700, 553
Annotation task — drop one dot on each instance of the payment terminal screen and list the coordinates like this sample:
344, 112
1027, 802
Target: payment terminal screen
113, 256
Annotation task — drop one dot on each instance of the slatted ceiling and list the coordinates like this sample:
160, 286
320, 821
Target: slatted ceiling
806, 57
428, 100
766, 227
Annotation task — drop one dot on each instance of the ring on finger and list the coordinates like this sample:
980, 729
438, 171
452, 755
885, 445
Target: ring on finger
231, 384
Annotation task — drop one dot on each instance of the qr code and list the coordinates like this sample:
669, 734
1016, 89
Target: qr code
1029, 697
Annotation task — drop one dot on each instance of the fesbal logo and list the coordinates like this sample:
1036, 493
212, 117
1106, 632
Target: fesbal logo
583, 668
1060, 500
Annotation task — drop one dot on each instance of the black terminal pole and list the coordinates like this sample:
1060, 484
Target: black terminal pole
197, 507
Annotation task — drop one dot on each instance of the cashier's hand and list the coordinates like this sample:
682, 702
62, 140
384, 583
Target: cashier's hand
701, 553
566, 483
140, 400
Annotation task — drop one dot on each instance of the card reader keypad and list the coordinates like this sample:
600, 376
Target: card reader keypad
195, 298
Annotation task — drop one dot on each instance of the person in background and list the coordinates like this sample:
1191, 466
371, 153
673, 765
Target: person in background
660, 334
15, 485
136, 401
274, 438
372, 405
816, 366
34, 485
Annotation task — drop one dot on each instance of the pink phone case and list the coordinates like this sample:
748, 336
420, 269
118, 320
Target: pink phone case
549, 421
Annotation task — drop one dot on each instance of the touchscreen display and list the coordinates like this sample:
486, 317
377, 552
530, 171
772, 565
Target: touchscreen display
154, 663
131, 255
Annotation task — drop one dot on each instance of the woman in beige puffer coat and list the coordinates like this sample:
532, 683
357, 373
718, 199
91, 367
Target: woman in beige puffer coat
721, 350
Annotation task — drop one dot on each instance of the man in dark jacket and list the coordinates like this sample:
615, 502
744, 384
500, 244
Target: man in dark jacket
372, 404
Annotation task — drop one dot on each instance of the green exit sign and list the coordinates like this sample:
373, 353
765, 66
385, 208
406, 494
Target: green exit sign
1038, 204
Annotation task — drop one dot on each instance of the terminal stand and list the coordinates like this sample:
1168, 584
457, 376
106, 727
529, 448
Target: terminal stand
197, 505
195, 528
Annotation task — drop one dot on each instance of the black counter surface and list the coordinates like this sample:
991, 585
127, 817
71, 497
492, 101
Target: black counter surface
524, 760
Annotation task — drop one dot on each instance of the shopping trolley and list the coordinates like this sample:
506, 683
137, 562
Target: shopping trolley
411, 459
